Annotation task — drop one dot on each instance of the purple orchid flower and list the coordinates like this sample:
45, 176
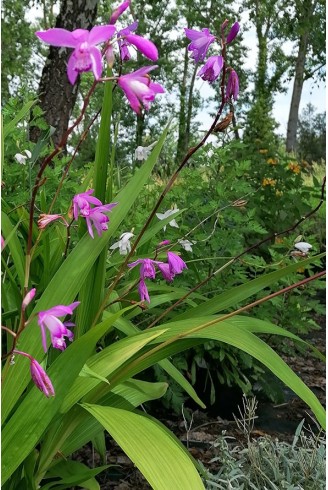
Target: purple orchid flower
143, 291
147, 269
211, 70
176, 264
38, 375
139, 89
232, 86
119, 11
233, 32
58, 330
86, 56
166, 271
123, 44
81, 203
201, 41
98, 219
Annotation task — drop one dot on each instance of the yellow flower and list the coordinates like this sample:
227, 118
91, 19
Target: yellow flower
279, 193
267, 181
263, 151
294, 167
272, 161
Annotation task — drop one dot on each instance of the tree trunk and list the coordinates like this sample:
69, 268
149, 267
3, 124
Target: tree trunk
190, 105
297, 92
182, 114
56, 95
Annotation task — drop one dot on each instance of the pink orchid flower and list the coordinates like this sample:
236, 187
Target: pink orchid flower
200, 42
86, 56
139, 89
232, 86
81, 203
38, 375
45, 219
143, 291
176, 264
98, 219
58, 330
211, 70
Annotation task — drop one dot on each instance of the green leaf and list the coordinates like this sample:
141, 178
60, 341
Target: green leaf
237, 294
9, 127
127, 395
86, 372
180, 334
12, 241
73, 274
73, 473
160, 456
106, 362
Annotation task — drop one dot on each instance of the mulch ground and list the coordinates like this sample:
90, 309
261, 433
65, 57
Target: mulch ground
279, 421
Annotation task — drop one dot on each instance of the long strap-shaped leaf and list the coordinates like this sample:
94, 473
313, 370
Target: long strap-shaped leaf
160, 456
67, 282
240, 293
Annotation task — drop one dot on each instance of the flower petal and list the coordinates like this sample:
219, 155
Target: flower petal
59, 37
72, 73
145, 46
97, 66
100, 34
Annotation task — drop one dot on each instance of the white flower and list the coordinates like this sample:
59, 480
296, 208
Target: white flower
168, 213
142, 152
303, 247
22, 158
124, 243
187, 245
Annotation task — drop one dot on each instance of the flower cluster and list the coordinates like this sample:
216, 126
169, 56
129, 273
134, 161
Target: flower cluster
87, 56
93, 215
174, 266
210, 71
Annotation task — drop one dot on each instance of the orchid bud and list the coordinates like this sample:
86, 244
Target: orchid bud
233, 32
28, 298
110, 56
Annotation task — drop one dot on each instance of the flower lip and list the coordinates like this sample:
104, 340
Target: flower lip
212, 68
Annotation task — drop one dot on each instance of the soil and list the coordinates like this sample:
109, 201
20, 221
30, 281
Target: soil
278, 421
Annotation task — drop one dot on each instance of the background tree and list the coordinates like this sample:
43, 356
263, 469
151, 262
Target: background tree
54, 89
311, 135
306, 22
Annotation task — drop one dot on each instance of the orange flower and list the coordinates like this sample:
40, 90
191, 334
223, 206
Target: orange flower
294, 167
267, 181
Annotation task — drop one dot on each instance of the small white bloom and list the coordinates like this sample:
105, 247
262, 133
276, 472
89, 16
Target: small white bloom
21, 159
168, 213
142, 152
303, 246
124, 243
187, 245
